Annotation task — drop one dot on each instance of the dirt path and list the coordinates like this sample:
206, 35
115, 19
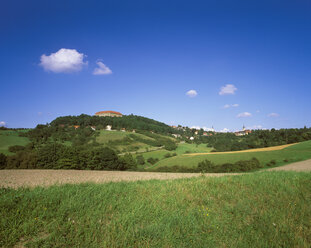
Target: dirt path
32, 178
298, 166
266, 149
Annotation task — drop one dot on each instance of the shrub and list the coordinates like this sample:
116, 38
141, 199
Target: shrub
3, 161
206, 166
167, 155
16, 148
140, 160
152, 160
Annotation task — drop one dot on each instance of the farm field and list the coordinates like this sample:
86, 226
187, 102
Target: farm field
10, 138
33, 178
265, 209
293, 153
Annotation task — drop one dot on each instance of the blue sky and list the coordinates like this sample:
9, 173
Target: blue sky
149, 54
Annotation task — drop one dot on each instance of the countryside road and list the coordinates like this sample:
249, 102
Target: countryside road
32, 178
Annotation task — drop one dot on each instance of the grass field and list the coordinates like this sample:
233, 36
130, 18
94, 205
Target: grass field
297, 152
192, 148
106, 136
10, 138
270, 209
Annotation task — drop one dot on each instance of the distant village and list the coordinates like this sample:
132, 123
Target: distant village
211, 132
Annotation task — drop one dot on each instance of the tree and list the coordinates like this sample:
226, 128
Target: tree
140, 160
3, 161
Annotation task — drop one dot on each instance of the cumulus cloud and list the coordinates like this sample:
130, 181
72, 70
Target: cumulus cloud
225, 130
102, 69
2, 123
192, 93
244, 114
64, 60
228, 89
273, 115
232, 105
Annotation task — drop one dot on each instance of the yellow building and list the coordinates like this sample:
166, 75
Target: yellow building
109, 113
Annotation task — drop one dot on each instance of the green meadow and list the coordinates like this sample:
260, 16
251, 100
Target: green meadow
10, 138
262, 209
297, 152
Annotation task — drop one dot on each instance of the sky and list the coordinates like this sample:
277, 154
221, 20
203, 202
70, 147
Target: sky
221, 64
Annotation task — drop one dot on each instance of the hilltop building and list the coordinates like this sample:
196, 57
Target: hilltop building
108, 113
243, 132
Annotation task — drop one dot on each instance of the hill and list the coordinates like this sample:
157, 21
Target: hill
129, 122
11, 138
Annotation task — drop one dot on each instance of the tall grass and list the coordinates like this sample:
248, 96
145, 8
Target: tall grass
270, 209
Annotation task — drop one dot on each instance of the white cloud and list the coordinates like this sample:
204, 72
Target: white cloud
255, 127
227, 106
244, 114
232, 105
195, 127
204, 128
192, 93
228, 89
102, 69
273, 115
225, 130
2, 123
64, 60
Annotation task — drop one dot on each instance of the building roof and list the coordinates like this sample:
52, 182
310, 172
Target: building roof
111, 112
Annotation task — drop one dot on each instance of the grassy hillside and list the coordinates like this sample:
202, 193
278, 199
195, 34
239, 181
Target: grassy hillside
270, 209
106, 136
127, 141
10, 138
192, 148
298, 152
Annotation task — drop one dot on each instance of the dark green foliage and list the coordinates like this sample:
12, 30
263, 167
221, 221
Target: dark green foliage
170, 145
128, 162
140, 160
129, 122
205, 166
152, 160
3, 161
208, 166
222, 142
16, 148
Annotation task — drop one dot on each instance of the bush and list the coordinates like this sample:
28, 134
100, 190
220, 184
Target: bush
206, 166
140, 160
152, 160
127, 162
167, 155
3, 161
16, 148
